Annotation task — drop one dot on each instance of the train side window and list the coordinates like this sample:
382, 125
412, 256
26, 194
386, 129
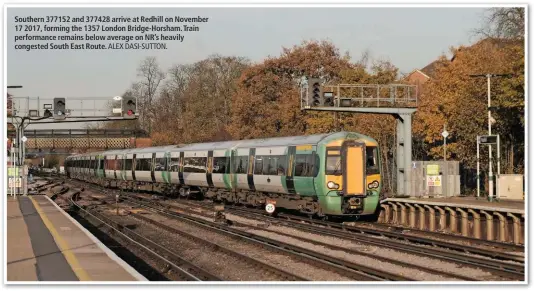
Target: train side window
101, 164
258, 167
305, 165
195, 165
241, 165
160, 164
279, 165
274, 165
220, 165
128, 164
175, 165
106, 164
372, 160
143, 165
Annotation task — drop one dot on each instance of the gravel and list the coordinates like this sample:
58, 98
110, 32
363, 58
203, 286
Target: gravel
371, 249
280, 261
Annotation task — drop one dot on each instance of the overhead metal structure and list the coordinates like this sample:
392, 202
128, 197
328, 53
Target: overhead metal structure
398, 100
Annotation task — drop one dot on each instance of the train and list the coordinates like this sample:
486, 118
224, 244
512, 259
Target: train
323, 175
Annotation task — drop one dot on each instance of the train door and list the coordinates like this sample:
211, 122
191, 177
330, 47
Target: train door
101, 172
115, 166
271, 170
240, 159
353, 159
166, 171
123, 167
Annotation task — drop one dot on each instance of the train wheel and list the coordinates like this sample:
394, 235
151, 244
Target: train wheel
188, 193
181, 192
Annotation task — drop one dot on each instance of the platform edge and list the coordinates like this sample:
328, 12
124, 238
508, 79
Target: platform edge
110, 254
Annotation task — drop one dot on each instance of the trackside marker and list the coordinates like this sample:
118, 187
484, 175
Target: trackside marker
270, 208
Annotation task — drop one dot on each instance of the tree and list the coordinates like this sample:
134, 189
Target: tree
504, 22
267, 96
194, 104
454, 98
151, 77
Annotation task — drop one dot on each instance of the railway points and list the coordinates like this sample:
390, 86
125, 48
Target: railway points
175, 216
44, 243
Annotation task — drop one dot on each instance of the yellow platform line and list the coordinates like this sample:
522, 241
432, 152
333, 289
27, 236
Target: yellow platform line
63, 245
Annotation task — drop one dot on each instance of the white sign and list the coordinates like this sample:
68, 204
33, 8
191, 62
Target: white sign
433, 181
15, 182
270, 208
24, 139
445, 134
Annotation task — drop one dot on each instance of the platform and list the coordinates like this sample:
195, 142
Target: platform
502, 220
44, 243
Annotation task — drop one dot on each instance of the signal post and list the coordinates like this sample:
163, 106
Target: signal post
398, 100
36, 110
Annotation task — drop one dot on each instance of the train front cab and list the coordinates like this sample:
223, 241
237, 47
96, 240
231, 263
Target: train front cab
352, 178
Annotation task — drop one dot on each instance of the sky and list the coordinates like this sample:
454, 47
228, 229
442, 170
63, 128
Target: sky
410, 38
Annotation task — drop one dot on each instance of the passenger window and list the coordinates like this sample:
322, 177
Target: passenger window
195, 165
305, 165
175, 165
241, 164
220, 165
372, 160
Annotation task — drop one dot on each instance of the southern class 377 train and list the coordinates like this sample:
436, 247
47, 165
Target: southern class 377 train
335, 174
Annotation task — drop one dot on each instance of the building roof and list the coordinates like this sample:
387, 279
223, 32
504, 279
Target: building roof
430, 69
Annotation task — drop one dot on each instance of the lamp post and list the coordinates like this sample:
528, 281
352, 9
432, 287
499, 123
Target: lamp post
490, 121
445, 134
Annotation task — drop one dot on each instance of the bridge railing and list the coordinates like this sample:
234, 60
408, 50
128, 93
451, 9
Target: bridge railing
90, 133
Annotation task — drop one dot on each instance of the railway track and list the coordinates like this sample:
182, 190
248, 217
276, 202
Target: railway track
244, 261
513, 270
185, 269
345, 268
364, 230
344, 249
445, 251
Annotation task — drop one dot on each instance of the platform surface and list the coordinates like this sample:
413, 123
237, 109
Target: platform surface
468, 202
44, 243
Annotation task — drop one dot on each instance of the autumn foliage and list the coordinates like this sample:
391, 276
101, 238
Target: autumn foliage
223, 98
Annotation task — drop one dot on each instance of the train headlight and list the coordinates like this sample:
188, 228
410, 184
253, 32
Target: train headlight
332, 185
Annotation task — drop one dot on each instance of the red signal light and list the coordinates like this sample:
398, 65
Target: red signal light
130, 112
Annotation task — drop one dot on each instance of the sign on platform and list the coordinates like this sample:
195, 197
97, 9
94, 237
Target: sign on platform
15, 182
432, 170
433, 181
12, 171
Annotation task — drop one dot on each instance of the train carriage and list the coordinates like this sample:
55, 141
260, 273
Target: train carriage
324, 174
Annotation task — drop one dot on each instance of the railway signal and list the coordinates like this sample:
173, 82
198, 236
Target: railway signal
315, 92
129, 107
59, 108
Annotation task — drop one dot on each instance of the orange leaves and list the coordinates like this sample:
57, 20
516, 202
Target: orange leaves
453, 97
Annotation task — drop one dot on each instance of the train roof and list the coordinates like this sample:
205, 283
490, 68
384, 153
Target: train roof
224, 145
